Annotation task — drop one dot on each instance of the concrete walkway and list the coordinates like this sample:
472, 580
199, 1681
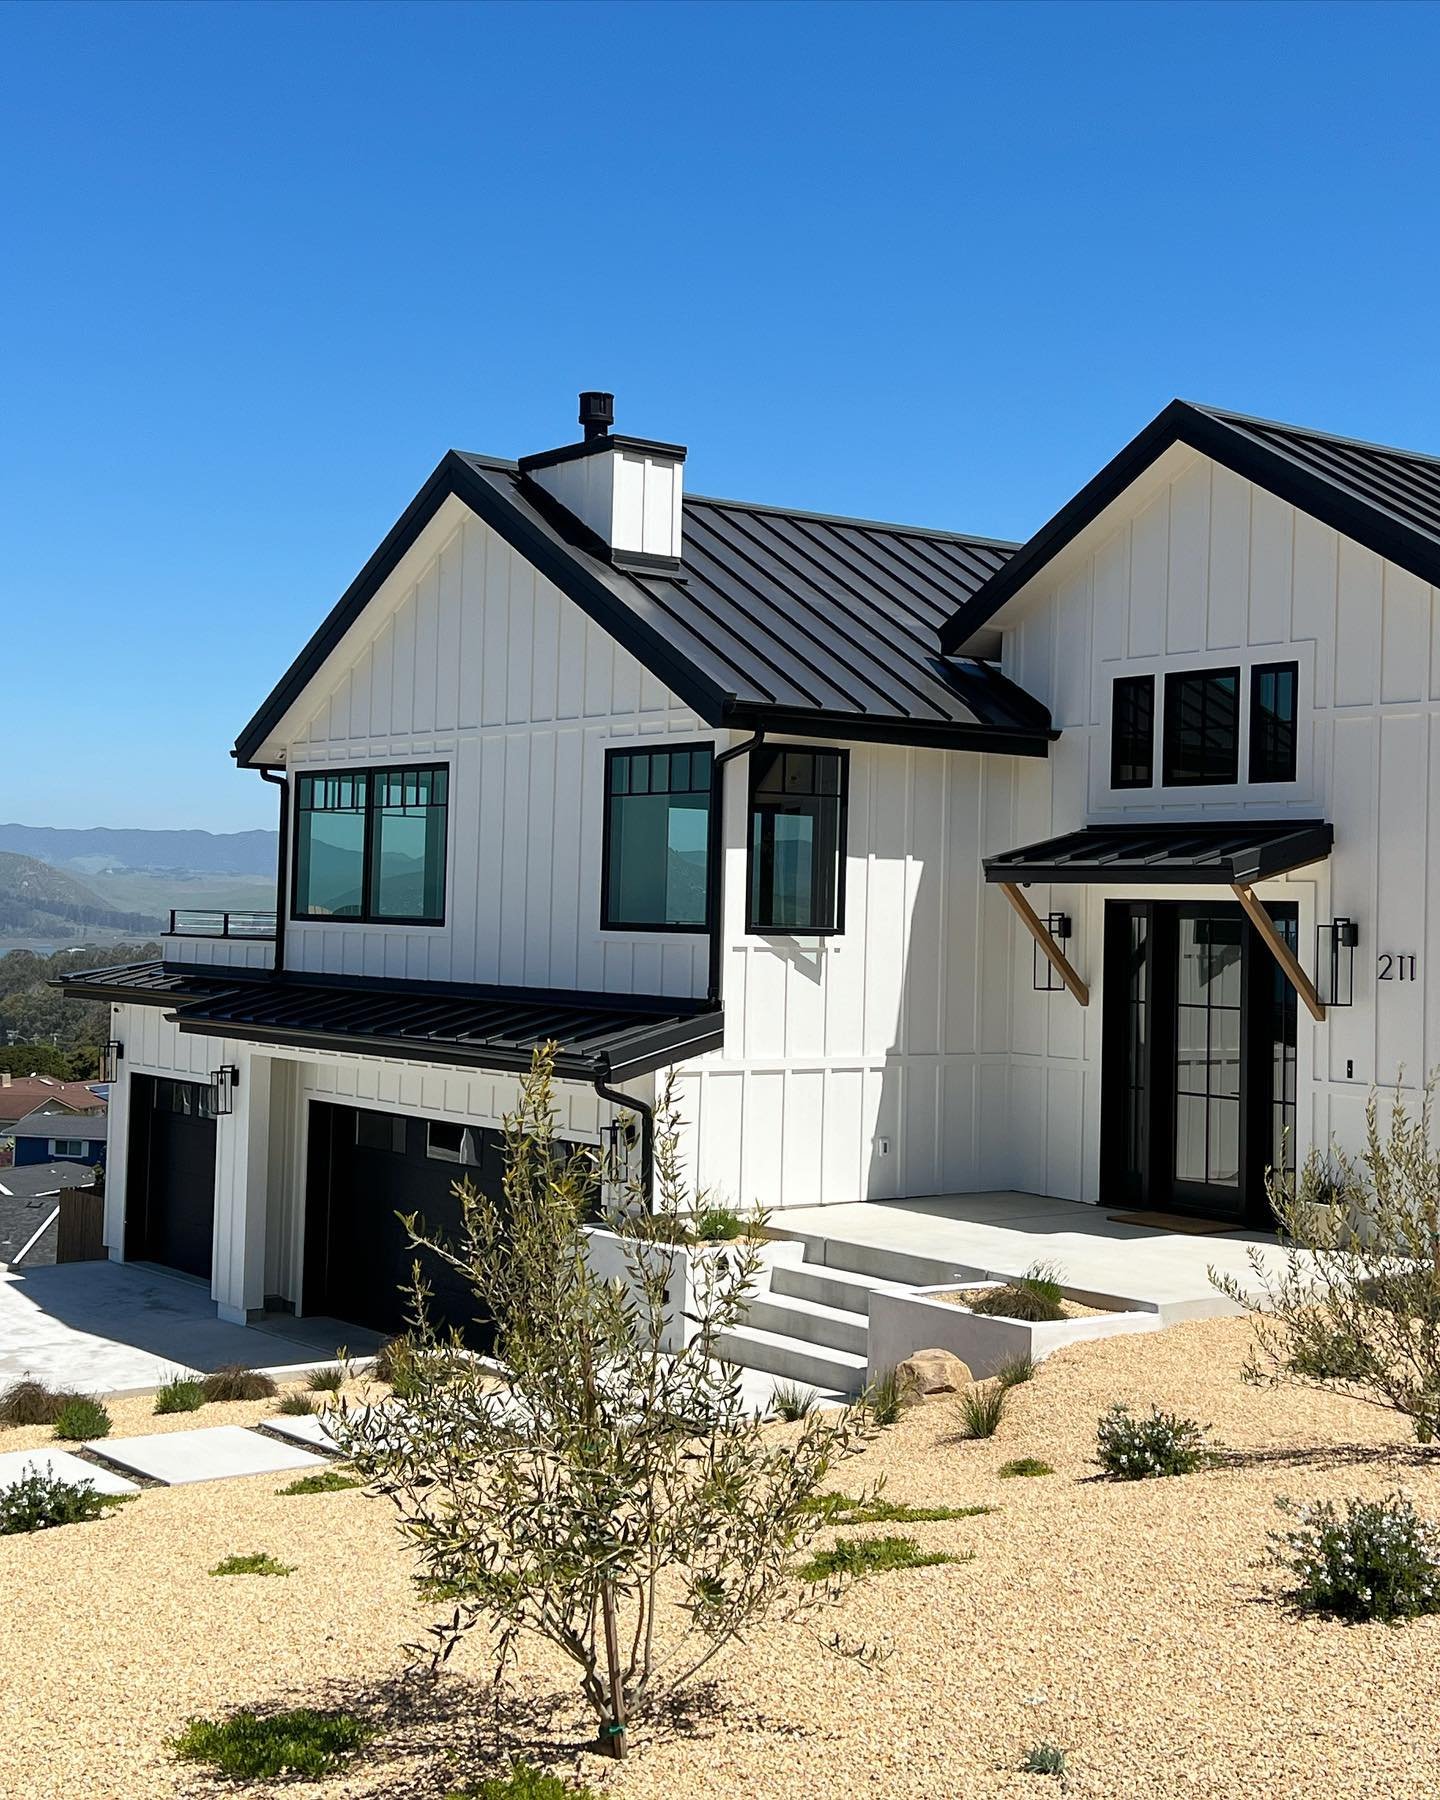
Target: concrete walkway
115, 1328
1002, 1233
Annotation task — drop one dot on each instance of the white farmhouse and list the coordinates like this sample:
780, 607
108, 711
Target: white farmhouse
1097, 867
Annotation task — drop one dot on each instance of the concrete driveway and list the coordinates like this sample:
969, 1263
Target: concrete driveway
113, 1328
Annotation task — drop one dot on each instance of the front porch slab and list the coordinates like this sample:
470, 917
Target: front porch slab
212, 1453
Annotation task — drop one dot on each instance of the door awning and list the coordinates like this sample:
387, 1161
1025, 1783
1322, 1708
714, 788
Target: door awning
1233, 854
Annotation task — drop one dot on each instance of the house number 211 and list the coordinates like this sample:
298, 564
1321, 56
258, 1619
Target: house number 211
1395, 966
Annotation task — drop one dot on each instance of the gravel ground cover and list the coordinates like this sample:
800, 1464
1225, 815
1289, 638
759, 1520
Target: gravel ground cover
1132, 1624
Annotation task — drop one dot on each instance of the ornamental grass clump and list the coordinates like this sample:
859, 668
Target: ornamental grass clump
1352, 1302
1379, 1559
1162, 1443
32, 1403
591, 1487
181, 1394
1036, 1296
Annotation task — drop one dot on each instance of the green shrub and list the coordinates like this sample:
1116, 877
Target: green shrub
32, 1403
249, 1747
870, 1556
296, 1405
524, 1782
236, 1382
1043, 1759
323, 1481
328, 1380
1131, 1449
81, 1418
790, 1401
182, 1395
717, 1225
1379, 1560
38, 1501
1024, 1465
1016, 1370
258, 1562
393, 1354
1035, 1296
981, 1409
884, 1398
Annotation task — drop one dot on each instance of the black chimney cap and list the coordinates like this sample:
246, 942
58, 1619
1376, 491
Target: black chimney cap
597, 413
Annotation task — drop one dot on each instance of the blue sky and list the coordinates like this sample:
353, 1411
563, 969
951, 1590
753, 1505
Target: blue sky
264, 264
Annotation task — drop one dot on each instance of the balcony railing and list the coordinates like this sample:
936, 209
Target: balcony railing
192, 922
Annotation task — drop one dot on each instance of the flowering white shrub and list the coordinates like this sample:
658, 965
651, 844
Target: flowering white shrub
1379, 1560
1131, 1449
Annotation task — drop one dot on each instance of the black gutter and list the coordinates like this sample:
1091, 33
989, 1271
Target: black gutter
714, 878
923, 734
282, 865
646, 1112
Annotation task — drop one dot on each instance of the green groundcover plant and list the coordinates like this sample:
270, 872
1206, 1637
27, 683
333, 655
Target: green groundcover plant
263, 1747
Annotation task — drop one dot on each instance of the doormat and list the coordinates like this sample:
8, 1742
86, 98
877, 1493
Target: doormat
1177, 1222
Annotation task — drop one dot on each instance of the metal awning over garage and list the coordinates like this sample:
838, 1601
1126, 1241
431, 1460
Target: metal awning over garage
1234, 854
602, 1037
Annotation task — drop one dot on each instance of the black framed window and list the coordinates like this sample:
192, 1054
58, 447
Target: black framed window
370, 845
797, 840
657, 839
1273, 690
380, 1131
1132, 732
1202, 728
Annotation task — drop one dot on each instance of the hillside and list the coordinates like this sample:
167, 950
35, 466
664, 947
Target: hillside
36, 899
105, 848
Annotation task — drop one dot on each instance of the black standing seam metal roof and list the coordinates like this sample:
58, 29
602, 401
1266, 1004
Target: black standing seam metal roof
604, 1037
1236, 852
1386, 499
794, 620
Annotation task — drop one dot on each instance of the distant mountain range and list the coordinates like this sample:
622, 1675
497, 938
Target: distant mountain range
104, 849
36, 898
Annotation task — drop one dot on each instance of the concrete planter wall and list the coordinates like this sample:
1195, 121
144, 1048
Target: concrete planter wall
607, 1256
901, 1324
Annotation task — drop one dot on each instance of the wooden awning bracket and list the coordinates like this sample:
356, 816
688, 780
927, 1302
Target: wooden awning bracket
1054, 955
1281, 951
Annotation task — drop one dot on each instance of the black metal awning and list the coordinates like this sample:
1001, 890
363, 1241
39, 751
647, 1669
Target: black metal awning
1236, 853
602, 1037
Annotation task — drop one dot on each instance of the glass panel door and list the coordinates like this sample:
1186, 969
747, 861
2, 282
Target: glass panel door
1209, 1014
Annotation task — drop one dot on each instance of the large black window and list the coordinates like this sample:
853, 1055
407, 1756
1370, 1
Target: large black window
797, 840
1132, 732
1272, 721
657, 839
1202, 728
370, 845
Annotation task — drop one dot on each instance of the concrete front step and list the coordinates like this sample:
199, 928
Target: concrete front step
900, 1267
838, 1288
833, 1327
793, 1359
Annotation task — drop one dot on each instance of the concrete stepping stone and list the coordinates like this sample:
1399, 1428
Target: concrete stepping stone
303, 1429
15, 1465
210, 1454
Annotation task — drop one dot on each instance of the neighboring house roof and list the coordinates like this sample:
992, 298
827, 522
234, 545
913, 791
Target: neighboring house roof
602, 1037
92, 1127
32, 1093
1386, 499
791, 620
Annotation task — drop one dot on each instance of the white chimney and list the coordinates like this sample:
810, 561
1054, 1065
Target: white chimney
628, 491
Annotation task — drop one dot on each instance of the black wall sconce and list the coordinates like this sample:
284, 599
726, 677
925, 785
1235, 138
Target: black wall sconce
110, 1061
222, 1089
1335, 960
1043, 975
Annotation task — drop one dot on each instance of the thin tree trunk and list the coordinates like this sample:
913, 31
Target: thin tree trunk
613, 1731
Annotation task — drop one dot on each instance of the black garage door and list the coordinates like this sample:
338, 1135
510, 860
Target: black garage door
170, 1175
364, 1169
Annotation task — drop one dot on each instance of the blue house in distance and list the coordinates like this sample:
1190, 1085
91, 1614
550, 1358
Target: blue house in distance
46, 1137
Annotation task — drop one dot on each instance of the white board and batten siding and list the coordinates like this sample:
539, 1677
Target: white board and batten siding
217, 952
1195, 566
473, 659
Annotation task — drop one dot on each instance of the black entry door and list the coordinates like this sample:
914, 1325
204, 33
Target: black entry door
170, 1175
365, 1169
1199, 1063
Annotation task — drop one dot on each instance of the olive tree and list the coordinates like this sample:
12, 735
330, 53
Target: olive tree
1351, 1301
588, 1485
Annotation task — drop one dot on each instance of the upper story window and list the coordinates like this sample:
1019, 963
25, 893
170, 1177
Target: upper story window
657, 839
1132, 732
67, 1146
1202, 728
797, 840
1273, 688
370, 845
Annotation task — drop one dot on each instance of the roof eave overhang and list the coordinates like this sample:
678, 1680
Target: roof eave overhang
1182, 423
931, 734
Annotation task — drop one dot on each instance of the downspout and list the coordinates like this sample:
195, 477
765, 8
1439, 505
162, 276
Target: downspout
282, 863
714, 873
646, 1110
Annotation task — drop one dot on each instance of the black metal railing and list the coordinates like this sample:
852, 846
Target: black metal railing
194, 922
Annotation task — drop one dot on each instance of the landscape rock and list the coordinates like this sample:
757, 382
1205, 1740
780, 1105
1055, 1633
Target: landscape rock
930, 1372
